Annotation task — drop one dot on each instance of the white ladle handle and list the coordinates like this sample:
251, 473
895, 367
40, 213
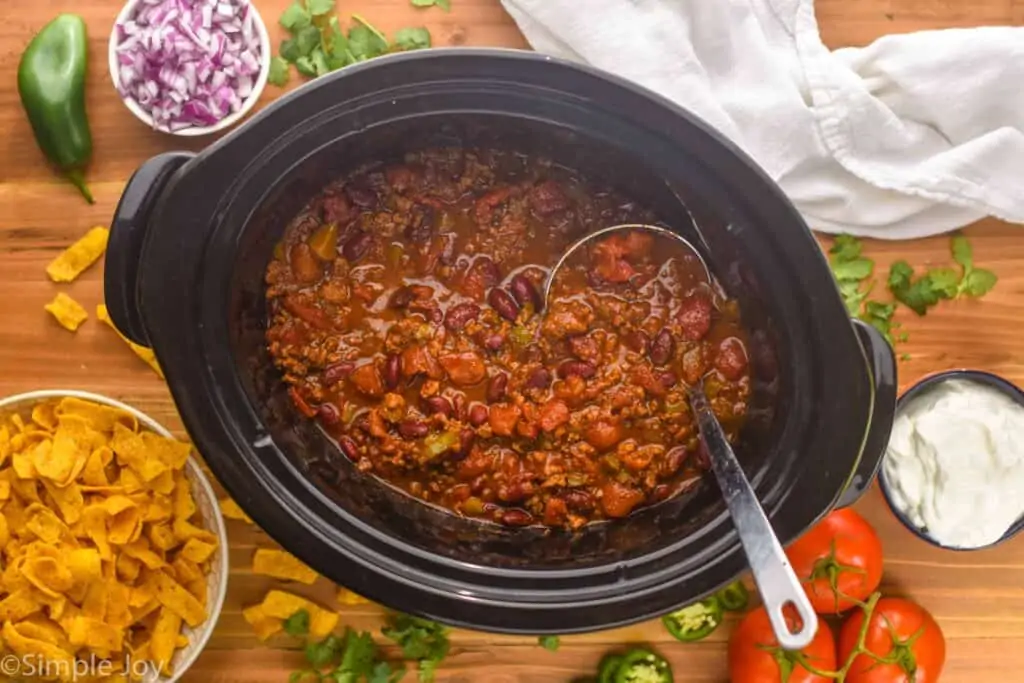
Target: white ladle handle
775, 579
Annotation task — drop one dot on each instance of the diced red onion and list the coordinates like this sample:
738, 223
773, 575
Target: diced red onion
188, 62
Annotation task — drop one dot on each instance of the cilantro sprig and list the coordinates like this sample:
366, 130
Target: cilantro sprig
420, 639
853, 274
443, 4
549, 643
317, 44
938, 284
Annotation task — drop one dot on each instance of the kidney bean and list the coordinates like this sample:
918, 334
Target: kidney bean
401, 298
438, 405
460, 315
357, 246
576, 367
392, 371
673, 461
349, 448
459, 406
668, 379
328, 414
478, 414
731, 359
637, 340
516, 517
539, 378
496, 387
694, 316
361, 196
662, 348
492, 342
466, 438
336, 372
524, 292
660, 493
579, 501
504, 304
413, 429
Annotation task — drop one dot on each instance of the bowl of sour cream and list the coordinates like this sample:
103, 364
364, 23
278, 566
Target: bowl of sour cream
953, 472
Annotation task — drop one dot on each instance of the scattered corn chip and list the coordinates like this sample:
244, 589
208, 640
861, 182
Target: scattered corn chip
68, 312
231, 510
79, 256
142, 352
282, 565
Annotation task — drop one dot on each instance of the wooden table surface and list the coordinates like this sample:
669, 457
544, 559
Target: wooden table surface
978, 598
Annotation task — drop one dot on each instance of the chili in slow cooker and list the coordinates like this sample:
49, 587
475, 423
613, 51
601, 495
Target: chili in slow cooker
405, 314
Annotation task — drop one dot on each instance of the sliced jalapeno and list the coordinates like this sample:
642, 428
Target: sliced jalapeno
608, 668
643, 666
734, 597
696, 621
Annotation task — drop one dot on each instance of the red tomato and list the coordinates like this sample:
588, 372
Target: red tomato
749, 662
900, 629
839, 561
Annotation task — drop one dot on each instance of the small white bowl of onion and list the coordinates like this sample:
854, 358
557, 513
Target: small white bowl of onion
189, 67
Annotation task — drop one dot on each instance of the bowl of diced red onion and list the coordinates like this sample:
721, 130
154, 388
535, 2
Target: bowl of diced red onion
189, 67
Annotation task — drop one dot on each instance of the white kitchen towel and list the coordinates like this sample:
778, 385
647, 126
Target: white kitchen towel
912, 135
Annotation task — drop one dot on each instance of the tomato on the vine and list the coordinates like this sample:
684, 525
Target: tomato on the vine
839, 561
901, 632
755, 655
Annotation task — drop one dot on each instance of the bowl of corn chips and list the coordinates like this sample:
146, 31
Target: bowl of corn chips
114, 551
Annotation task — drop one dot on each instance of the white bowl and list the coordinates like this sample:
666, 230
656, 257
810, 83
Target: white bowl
192, 131
206, 504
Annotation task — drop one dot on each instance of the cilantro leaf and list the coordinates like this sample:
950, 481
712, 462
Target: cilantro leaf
324, 652
297, 624
550, 643
879, 315
304, 675
919, 296
420, 639
382, 673
365, 41
978, 282
852, 295
945, 281
289, 50
295, 17
319, 61
318, 7
855, 269
962, 251
412, 38
900, 275
305, 66
306, 40
845, 248
279, 73
443, 4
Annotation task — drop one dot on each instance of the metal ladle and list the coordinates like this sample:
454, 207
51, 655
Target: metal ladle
775, 579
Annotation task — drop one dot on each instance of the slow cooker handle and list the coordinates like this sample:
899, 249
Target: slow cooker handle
882, 364
128, 231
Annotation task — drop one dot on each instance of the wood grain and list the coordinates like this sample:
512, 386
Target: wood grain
977, 597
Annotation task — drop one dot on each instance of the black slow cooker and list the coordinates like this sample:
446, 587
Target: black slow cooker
194, 233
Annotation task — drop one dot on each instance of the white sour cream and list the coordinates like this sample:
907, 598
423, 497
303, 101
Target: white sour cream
955, 463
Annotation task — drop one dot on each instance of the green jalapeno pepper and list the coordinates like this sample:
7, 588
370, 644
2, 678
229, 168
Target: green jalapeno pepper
695, 621
640, 665
608, 668
734, 597
51, 83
